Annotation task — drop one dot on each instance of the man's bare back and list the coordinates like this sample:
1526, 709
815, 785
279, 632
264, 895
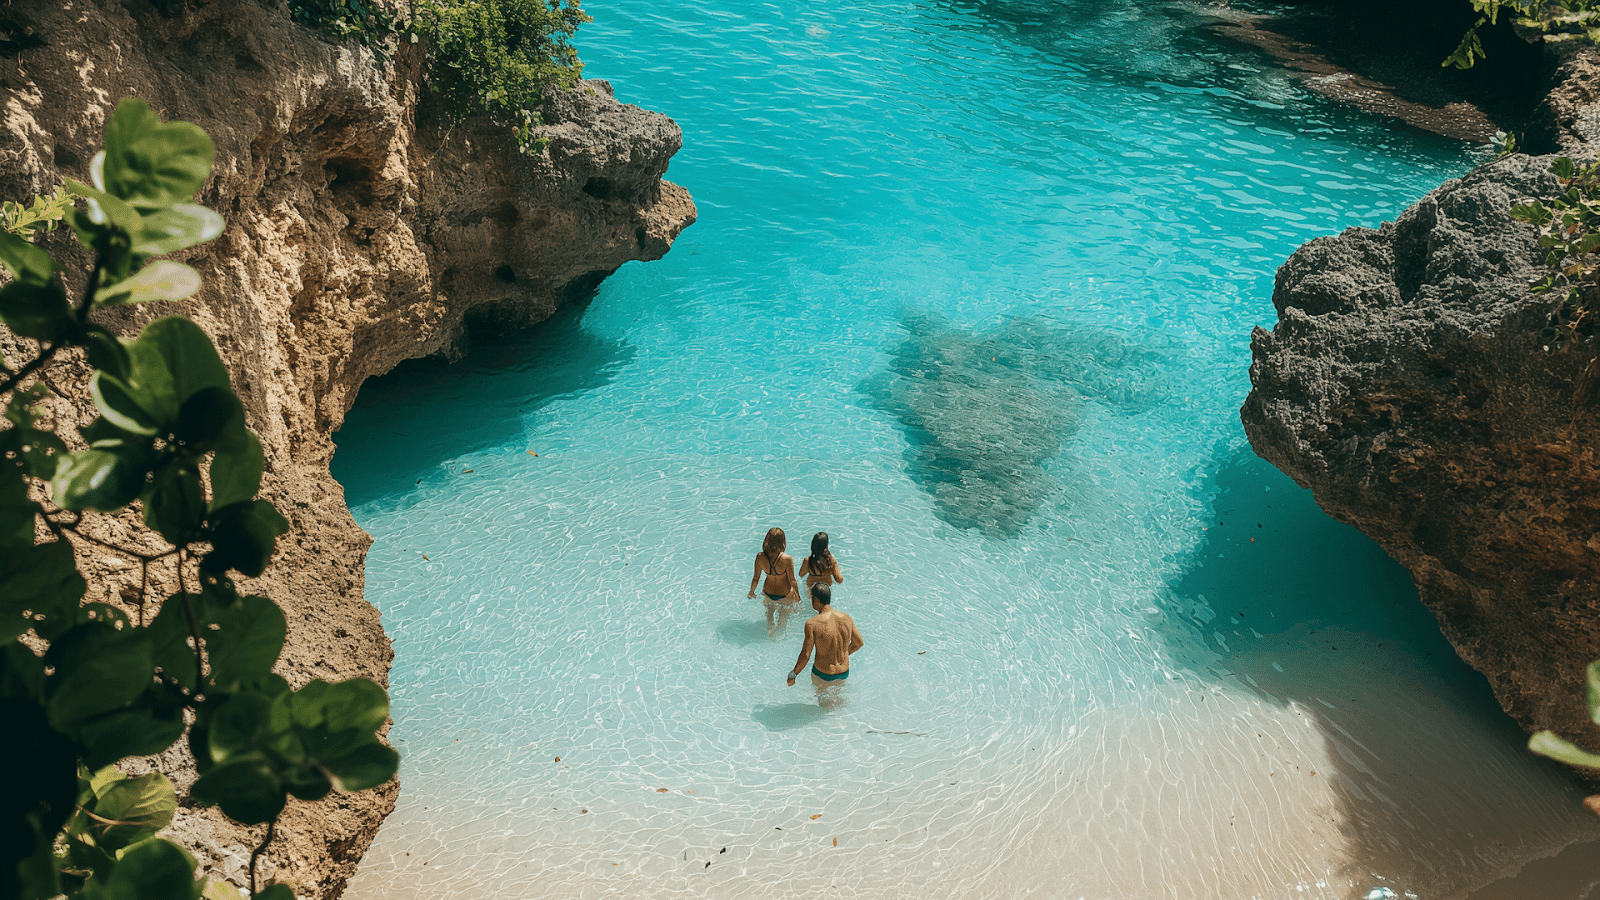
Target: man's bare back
833, 635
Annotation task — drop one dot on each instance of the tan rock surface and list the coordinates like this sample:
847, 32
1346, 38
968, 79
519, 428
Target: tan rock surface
359, 235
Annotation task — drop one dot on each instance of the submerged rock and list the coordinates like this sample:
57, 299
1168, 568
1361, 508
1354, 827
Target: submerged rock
1405, 384
361, 229
984, 415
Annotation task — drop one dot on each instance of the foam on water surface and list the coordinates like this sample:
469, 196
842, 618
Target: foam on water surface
971, 291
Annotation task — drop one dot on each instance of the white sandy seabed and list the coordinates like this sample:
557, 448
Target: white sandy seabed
975, 760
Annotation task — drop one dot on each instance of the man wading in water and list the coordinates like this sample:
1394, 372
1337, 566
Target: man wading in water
835, 637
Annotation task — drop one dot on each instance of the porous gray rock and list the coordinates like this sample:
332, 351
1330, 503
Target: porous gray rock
1405, 384
362, 228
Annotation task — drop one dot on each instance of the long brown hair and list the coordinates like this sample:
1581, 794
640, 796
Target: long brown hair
772, 547
820, 560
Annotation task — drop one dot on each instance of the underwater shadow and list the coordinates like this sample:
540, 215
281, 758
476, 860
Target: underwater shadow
1306, 611
984, 414
1190, 47
743, 634
405, 425
788, 716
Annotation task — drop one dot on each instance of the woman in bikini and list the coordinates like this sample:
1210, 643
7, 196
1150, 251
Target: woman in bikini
782, 588
821, 567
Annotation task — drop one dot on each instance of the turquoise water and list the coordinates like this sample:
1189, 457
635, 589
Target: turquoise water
971, 290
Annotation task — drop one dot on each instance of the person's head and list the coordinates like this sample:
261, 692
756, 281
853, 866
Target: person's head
774, 543
821, 597
819, 545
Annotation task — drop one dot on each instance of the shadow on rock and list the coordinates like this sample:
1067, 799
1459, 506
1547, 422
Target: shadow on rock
429, 411
984, 414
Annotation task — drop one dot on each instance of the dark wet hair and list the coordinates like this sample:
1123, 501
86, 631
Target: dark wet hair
822, 594
772, 547
821, 560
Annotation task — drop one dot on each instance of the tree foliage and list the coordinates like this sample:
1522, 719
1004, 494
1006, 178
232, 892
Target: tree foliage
1557, 20
85, 684
1570, 234
493, 58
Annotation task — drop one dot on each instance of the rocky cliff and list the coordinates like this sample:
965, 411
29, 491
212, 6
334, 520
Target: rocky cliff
360, 232
1405, 384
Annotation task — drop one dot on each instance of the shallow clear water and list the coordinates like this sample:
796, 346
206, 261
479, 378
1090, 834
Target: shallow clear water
971, 290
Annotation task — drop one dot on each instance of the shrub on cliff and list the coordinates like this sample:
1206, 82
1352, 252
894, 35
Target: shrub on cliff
494, 58
86, 684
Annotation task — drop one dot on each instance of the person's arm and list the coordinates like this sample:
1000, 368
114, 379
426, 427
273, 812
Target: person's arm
856, 641
756, 578
805, 654
838, 575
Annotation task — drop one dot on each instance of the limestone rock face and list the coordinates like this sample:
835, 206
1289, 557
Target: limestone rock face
360, 232
1406, 386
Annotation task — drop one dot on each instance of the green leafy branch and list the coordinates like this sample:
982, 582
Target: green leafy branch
1570, 235
1557, 20
82, 685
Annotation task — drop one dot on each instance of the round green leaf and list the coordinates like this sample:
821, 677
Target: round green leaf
306, 783
151, 163
97, 669
174, 504
174, 228
177, 351
169, 643
145, 804
247, 641
246, 788
153, 869
25, 261
38, 311
37, 452
108, 210
1592, 690
106, 352
367, 766
242, 537
209, 417
238, 727
111, 736
161, 280
117, 401
106, 480
40, 580
236, 471
1547, 743
16, 510
355, 704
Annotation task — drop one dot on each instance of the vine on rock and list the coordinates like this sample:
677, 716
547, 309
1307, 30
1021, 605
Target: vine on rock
84, 684
1557, 20
1570, 234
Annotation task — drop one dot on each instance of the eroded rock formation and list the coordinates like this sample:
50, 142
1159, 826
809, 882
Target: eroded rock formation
1406, 386
359, 235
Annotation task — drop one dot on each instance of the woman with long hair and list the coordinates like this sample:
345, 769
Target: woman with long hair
821, 567
782, 588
